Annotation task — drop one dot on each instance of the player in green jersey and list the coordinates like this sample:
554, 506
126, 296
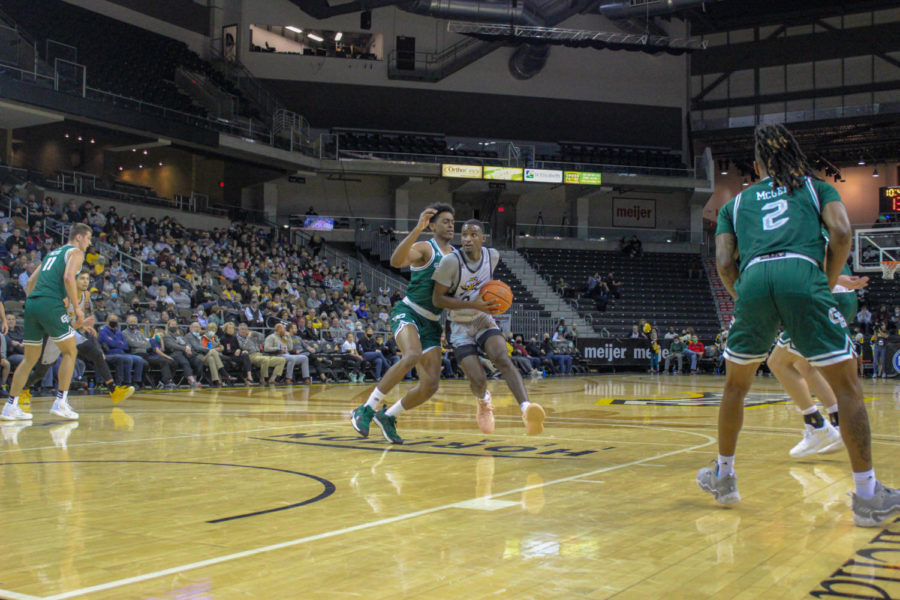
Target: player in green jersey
45, 315
415, 323
787, 273
798, 377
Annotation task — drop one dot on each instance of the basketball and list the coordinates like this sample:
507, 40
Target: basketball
499, 293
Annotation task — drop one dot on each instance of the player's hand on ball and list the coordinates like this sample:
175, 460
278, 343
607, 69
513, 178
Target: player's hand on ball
487, 306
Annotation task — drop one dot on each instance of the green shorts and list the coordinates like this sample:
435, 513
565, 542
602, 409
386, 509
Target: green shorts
46, 317
429, 331
791, 292
847, 304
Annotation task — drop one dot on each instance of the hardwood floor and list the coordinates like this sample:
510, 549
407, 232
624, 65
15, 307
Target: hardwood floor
269, 493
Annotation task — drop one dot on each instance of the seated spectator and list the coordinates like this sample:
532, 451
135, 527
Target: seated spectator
270, 367
175, 345
351, 353
180, 298
129, 367
371, 353
206, 346
613, 285
142, 347
563, 362
676, 350
279, 343
232, 354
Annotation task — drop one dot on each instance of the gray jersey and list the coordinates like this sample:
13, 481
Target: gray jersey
465, 279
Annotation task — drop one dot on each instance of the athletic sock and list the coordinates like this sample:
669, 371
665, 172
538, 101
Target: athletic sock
812, 416
833, 415
524, 406
865, 483
13, 401
726, 466
396, 410
487, 397
62, 395
375, 399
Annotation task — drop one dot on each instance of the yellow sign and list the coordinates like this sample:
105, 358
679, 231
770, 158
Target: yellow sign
503, 173
582, 178
461, 171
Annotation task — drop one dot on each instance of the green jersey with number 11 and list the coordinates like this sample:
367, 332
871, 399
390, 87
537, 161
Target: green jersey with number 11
50, 282
767, 219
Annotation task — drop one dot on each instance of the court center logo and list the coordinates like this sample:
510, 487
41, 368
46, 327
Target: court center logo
692, 399
895, 361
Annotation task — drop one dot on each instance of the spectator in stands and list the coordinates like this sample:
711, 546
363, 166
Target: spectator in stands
253, 314
561, 287
695, 350
316, 243
613, 285
676, 350
864, 318
563, 362
313, 301
233, 355
371, 353
279, 343
384, 296
208, 351
129, 367
140, 346
351, 353
878, 340
270, 366
15, 348
229, 273
175, 345
721, 340
671, 334
182, 300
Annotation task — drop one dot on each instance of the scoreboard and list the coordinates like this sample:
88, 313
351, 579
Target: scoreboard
889, 200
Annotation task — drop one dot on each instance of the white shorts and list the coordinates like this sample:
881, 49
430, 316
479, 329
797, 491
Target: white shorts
473, 333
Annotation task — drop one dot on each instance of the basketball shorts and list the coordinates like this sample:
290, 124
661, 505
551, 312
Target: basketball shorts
46, 317
847, 304
466, 338
792, 292
429, 331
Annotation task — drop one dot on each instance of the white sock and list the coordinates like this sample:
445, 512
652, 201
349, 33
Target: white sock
13, 401
726, 466
524, 406
865, 483
487, 398
375, 399
396, 410
62, 396
810, 410
832, 409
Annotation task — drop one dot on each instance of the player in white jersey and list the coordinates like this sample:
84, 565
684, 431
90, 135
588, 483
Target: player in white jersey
457, 285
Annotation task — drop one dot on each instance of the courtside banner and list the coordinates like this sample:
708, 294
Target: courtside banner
634, 212
583, 178
616, 352
461, 171
543, 176
503, 173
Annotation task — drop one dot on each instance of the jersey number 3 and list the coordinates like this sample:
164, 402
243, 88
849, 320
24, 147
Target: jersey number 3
770, 219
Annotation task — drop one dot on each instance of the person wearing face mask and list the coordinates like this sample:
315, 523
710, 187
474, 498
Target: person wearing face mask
175, 346
208, 353
129, 367
141, 347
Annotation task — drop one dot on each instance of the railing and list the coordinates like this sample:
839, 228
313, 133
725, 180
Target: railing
611, 169
609, 234
432, 66
372, 277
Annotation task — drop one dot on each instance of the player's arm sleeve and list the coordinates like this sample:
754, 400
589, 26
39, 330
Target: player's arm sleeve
725, 223
447, 271
826, 193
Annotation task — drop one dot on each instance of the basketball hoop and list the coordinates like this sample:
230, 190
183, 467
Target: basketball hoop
889, 267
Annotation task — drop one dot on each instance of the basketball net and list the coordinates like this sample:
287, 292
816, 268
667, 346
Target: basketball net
889, 267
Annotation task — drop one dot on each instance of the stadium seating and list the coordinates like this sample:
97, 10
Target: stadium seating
654, 287
120, 58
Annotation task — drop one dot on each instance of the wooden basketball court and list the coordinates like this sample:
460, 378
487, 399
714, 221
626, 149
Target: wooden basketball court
269, 493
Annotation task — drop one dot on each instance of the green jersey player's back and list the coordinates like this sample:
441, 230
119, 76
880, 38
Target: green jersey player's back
421, 286
767, 219
50, 282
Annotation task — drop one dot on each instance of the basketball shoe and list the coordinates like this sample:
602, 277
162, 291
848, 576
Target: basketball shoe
388, 426
815, 440
12, 412
870, 512
121, 392
533, 417
723, 489
835, 446
361, 418
62, 409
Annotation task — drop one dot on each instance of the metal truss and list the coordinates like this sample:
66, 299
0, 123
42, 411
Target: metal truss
558, 34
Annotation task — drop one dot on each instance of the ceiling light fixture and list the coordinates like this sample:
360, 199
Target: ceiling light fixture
315, 37
294, 29
338, 36
875, 172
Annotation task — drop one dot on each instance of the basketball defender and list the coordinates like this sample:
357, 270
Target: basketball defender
797, 377
787, 276
457, 286
415, 323
45, 315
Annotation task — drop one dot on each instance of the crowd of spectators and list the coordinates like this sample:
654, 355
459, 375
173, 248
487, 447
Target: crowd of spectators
227, 306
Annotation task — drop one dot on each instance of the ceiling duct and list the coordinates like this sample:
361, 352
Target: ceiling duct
528, 60
474, 10
645, 8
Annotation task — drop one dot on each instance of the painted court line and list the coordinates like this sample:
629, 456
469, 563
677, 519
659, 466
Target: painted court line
329, 534
8, 595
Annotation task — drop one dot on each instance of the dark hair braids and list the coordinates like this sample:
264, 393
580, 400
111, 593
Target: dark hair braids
781, 156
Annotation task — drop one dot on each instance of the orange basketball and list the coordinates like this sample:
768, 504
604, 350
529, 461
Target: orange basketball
498, 293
